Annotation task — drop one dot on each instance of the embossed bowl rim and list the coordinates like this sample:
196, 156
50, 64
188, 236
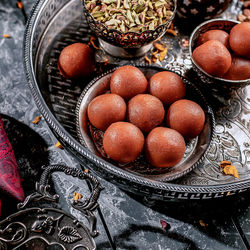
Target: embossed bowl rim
198, 29
74, 146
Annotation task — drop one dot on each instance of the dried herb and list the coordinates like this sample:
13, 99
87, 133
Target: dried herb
147, 60
163, 54
59, 145
6, 36
154, 58
172, 32
37, 119
130, 15
159, 46
91, 42
202, 223
77, 196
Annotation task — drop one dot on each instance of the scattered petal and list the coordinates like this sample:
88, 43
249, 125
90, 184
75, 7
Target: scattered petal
86, 170
37, 119
6, 36
159, 46
154, 58
19, 4
225, 163
59, 145
155, 53
77, 196
164, 225
163, 54
231, 170
147, 60
172, 32
91, 41
202, 223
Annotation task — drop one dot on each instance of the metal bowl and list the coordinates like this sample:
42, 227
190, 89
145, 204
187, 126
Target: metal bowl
91, 137
219, 24
126, 44
202, 9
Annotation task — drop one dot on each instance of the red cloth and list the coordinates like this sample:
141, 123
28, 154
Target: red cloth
10, 183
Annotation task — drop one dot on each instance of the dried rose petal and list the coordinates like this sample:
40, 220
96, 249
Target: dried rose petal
164, 225
37, 119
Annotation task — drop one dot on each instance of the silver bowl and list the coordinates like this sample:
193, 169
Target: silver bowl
217, 82
201, 10
126, 44
91, 137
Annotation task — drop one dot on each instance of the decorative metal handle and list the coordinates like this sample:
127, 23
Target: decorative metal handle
86, 206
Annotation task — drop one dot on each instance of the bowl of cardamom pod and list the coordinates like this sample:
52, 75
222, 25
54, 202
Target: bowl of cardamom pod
127, 28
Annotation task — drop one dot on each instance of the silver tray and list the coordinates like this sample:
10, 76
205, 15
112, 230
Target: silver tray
55, 24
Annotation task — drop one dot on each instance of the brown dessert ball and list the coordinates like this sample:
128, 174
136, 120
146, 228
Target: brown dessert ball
76, 60
167, 86
145, 111
219, 35
106, 109
123, 142
164, 147
213, 57
187, 117
239, 39
239, 70
128, 81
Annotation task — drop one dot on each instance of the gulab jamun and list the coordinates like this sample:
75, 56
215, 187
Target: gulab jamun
123, 142
76, 60
128, 81
239, 39
213, 57
106, 109
164, 147
167, 86
239, 70
219, 35
187, 117
145, 111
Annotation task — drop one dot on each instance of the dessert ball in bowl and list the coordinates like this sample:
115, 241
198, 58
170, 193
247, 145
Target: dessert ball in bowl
220, 53
127, 28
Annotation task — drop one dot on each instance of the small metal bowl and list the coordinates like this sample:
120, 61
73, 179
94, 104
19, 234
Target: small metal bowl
217, 82
91, 137
126, 44
201, 10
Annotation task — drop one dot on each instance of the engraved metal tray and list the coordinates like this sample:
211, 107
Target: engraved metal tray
55, 24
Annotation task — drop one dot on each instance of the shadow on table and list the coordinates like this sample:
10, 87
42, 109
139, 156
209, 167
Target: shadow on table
122, 240
218, 218
215, 218
30, 152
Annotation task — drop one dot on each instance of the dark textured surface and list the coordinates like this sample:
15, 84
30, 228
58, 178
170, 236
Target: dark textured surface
132, 224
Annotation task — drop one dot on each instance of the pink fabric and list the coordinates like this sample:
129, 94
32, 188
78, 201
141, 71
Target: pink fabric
10, 183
